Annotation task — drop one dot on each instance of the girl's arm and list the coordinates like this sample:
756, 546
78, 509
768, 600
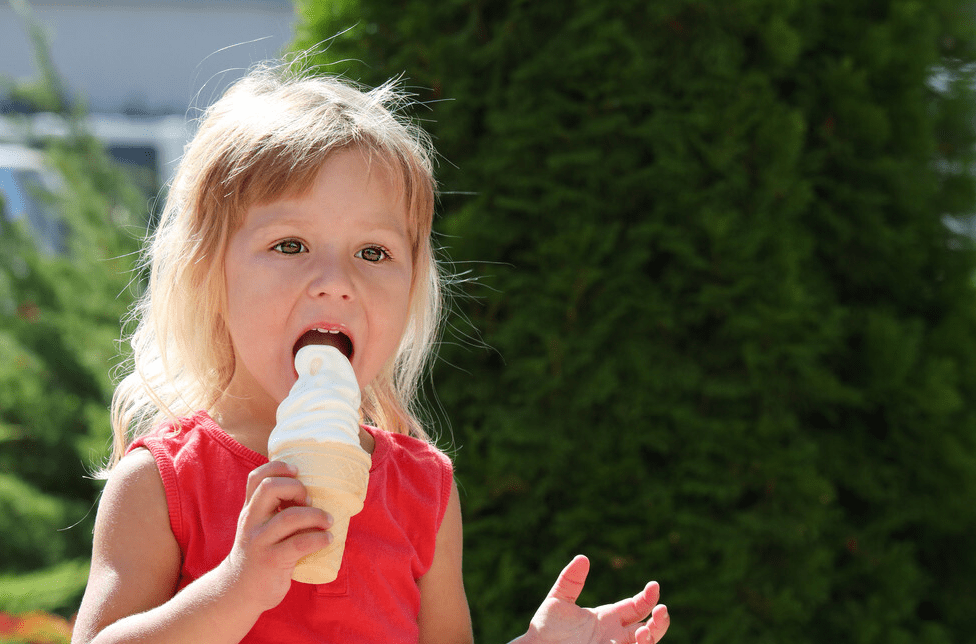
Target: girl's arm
136, 561
444, 616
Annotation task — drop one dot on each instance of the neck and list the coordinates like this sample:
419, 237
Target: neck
248, 423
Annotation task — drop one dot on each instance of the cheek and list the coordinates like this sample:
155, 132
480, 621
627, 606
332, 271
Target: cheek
408, 291
248, 296
394, 312
235, 296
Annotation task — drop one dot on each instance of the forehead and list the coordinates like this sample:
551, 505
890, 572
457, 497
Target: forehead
347, 189
277, 180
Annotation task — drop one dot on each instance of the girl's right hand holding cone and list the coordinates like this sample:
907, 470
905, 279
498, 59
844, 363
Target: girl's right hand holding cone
275, 529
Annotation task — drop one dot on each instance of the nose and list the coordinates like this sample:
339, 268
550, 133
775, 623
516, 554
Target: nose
331, 277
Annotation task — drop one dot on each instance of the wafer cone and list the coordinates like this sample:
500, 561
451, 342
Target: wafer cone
336, 476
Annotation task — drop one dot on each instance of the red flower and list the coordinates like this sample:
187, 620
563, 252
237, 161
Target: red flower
36, 627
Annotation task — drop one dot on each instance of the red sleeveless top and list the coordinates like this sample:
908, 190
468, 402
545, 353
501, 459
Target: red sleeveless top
390, 544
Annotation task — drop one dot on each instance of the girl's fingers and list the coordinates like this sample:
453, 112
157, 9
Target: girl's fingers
654, 629
271, 469
307, 527
570, 582
276, 517
637, 608
272, 494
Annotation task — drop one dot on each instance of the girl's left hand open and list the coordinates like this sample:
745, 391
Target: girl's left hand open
559, 619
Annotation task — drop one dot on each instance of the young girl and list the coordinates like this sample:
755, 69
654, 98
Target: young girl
301, 213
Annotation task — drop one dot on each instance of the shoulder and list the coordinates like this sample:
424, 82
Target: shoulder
133, 516
136, 474
135, 482
402, 447
422, 472
415, 459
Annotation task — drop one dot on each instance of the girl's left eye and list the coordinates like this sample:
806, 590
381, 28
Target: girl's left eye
290, 247
373, 254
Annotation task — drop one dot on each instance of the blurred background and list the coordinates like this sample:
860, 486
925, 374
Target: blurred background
714, 318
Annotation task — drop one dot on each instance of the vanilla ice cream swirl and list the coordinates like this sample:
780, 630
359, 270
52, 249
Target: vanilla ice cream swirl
323, 404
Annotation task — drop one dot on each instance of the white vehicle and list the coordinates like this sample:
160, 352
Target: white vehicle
27, 189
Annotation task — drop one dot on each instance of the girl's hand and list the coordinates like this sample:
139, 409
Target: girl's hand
559, 619
274, 531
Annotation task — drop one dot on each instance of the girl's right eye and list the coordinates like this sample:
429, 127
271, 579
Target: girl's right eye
290, 247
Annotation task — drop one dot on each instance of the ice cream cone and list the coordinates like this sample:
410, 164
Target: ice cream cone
336, 477
317, 431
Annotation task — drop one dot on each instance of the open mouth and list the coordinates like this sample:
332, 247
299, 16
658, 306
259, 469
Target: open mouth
336, 339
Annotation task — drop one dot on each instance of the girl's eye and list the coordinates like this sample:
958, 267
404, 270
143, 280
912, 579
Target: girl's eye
290, 247
373, 254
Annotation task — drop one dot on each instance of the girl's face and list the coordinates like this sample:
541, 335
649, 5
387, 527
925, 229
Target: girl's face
336, 259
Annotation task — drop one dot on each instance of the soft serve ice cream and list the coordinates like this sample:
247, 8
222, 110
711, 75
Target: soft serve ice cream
323, 404
317, 431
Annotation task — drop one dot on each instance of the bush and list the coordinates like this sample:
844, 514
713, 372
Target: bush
60, 312
733, 340
60, 317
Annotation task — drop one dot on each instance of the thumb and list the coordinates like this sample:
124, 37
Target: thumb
570, 582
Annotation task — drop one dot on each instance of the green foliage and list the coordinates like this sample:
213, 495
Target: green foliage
60, 312
29, 518
734, 342
52, 589
59, 324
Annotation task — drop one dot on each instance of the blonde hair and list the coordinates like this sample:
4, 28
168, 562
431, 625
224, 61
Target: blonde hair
265, 139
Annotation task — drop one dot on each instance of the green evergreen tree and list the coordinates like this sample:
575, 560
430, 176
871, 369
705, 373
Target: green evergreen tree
60, 312
59, 327
734, 343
